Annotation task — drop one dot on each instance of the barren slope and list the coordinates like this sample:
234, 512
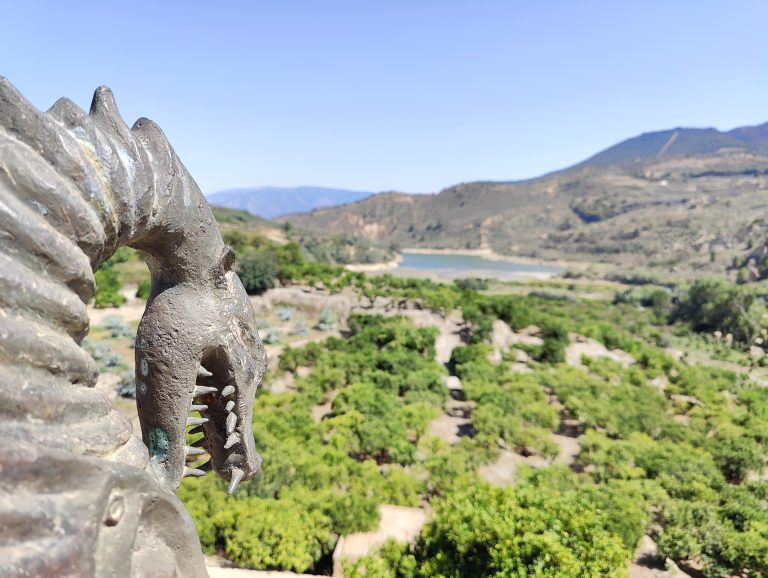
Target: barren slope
658, 200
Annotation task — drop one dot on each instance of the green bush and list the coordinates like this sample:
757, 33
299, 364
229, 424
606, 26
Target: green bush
471, 284
107, 287
718, 305
493, 532
270, 534
257, 271
144, 289
555, 337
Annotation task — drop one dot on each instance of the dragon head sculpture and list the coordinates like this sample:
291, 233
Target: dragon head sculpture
83, 496
198, 352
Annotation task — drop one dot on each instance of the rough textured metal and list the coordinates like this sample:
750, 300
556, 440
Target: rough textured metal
79, 494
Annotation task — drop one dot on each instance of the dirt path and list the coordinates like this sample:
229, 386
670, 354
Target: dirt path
219, 567
757, 374
647, 563
450, 428
585, 346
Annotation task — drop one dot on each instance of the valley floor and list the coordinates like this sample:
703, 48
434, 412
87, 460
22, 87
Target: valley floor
282, 310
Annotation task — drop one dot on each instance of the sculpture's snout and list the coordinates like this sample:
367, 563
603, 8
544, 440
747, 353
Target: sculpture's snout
199, 362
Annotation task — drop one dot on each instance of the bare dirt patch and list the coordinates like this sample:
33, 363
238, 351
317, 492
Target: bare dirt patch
451, 428
647, 563
584, 346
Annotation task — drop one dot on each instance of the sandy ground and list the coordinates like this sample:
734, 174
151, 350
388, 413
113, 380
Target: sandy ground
129, 312
503, 471
448, 336
648, 564
569, 449
375, 267
584, 346
217, 572
219, 567
450, 428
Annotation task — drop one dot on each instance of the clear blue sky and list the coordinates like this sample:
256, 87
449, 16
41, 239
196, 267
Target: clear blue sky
409, 95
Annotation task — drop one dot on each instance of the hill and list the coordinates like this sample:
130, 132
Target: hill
684, 199
270, 202
682, 142
241, 227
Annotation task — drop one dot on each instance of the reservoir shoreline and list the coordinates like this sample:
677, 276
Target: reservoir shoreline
490, 255
468, 263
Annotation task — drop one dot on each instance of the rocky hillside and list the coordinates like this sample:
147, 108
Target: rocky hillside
238, 226
680, 199
269, 202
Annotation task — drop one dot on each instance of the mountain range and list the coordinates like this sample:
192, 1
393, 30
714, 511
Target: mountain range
679, 199
271, 202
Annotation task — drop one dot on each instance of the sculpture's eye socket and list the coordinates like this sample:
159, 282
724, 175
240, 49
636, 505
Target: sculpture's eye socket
227, 259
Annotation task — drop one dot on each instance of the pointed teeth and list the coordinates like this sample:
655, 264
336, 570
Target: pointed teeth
203, 372
193, 451
237, 475
227, 391
231, 422
194, 407
193, 472
194, 421
234, 438
230, 405
202, 390
189, 459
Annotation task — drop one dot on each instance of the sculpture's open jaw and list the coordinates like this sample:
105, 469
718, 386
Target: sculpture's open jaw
199, 361
220, 397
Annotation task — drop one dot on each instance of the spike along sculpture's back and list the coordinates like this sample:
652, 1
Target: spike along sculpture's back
80, 495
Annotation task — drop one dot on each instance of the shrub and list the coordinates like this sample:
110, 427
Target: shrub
718, 305
555, 337
127, 385
269, 534
107, 287
493, 532
117, 326
327, 320
272, 336
471, 284
301, 329
257, 271
284, 313
144, 289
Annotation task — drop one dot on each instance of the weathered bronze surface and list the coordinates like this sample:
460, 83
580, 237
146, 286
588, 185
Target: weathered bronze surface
80, 495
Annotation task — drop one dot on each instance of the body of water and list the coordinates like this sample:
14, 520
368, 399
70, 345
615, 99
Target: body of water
452, 266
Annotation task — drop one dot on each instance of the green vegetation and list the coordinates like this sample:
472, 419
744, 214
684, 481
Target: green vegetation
672, 450
717, 305
316, 246
108, 280
667, 448
509, 407
529, 531
541, 528
107, 287
628, 212
328, 478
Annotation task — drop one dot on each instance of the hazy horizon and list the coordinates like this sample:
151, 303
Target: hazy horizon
330, 187
405, 97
